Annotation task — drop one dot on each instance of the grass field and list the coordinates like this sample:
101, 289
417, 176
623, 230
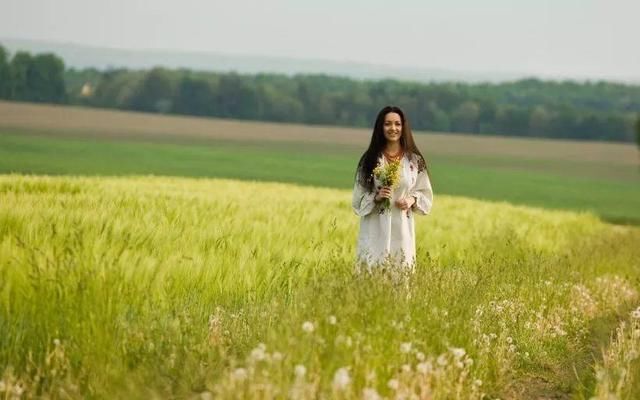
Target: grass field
194, 288
116, 282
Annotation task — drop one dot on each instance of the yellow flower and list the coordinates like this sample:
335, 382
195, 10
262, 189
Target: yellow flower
388, 175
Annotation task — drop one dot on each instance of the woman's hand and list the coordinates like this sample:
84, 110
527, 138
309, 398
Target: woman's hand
406, 203
383, 193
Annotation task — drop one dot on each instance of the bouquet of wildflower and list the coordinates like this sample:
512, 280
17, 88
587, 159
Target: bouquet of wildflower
388, 175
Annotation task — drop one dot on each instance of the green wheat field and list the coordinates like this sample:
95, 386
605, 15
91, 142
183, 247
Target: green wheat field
197, 267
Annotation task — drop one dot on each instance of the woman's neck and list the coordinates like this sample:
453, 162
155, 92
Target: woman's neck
392, 147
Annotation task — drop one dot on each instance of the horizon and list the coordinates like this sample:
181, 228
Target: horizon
498, 77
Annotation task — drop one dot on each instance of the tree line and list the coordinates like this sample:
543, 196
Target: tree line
36, 78
529, 107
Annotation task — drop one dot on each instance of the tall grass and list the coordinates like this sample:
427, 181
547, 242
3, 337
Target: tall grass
164, 287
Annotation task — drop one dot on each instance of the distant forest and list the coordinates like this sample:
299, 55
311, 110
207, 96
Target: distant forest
529, 107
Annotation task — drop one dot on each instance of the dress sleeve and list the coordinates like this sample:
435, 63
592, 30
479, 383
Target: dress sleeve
423, 193
363, 200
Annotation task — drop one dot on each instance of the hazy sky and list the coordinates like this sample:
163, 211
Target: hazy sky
577, 38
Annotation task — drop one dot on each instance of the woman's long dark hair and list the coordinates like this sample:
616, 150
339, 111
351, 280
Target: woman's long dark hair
369, 159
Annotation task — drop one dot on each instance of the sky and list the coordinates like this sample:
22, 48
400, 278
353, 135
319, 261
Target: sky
562, 38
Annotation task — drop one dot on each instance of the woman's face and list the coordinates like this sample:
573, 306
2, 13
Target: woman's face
392, 127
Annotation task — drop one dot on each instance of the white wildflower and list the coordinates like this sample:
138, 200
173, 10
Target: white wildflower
258, 354
406, 368
420, 356
424, 367
393, 384
405, 347
341, 379
300, 371
308, 327
56, 342
332, 320
370, 394
240, 374
457, 352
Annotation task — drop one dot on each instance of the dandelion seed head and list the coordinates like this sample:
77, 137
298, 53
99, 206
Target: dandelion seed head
341, 379
300, 371
258, 354
308, 327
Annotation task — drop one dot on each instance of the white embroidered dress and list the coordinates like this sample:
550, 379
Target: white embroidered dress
388, 236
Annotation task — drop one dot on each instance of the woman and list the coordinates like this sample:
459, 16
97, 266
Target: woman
387, 234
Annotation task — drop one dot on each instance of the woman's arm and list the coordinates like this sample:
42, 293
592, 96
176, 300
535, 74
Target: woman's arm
423, 194
362, 201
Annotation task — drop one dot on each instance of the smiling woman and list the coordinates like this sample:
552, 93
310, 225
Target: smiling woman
392, 182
